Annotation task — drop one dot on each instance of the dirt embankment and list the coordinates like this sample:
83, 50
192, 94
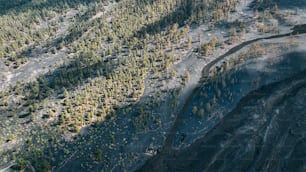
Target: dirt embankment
265, 132
300, 29
170, 159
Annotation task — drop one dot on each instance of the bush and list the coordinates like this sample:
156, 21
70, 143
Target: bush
194, 110
42, 165
98, 155
22, 163
201, 113
53, 50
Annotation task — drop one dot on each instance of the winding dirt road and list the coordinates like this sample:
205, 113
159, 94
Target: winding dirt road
8, 166
253, 137
167, 152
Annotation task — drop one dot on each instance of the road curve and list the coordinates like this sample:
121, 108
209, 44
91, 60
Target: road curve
167, 148
299, 29
252, 137
8, 166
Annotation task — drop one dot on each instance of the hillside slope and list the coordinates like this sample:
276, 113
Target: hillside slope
104, 85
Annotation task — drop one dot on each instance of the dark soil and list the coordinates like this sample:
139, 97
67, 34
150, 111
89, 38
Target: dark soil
227, 147
265, 132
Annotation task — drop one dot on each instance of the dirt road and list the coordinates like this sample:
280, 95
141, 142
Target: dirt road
167, 151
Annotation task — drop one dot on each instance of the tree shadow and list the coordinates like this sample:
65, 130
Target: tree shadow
77, 72
18, 6
144, 2
180, 16
137, 120
70, 76
6, 6
130, 124
281, 4
131, 119
188, 12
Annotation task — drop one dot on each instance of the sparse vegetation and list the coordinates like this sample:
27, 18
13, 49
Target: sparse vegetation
90, 72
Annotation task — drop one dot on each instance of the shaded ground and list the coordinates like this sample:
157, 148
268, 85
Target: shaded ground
198, 157
206, 71
265, 132
116, 151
